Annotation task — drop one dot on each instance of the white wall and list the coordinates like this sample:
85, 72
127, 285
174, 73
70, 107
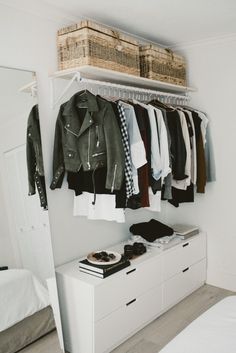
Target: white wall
30, 43
28, 223
6, 250
213, 72
27, 42
10, 82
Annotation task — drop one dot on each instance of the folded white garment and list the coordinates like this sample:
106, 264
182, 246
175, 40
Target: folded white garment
162, 243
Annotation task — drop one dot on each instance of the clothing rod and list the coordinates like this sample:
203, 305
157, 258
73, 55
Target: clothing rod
132, 88
110, 85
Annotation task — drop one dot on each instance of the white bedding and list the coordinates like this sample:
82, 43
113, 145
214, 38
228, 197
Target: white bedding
21, 295
213, 332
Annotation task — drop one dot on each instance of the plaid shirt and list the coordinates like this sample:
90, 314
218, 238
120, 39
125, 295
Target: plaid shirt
128, 165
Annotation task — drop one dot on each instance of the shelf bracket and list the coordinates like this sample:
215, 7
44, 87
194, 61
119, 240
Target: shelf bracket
55, 101
30, 88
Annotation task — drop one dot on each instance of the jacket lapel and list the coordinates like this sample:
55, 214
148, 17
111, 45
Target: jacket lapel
87, 122
71, 110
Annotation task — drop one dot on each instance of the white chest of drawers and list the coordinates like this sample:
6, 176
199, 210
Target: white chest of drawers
99, 314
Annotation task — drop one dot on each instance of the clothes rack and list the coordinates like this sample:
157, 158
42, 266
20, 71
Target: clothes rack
105, 82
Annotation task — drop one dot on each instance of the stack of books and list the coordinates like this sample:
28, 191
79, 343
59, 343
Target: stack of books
103, 271
185, 231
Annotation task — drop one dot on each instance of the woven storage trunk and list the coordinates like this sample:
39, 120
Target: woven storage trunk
89, 43
162, 64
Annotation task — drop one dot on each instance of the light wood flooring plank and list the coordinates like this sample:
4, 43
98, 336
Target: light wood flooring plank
168, 325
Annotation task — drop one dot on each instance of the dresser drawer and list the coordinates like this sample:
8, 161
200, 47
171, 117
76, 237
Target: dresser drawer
183, 283
119, 289
116, 327
184, 255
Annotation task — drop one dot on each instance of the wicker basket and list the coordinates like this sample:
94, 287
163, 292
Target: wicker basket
162, 64
89, 43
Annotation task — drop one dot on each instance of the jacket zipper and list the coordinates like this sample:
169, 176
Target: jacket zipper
114, 177
37, 152
89, 141
98, 154
73, 133
37, 149
97, 136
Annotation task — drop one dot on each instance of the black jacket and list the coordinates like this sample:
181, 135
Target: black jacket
177, 148
87, 136
35, 157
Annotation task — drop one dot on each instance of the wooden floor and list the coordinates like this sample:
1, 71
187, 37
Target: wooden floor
157, 334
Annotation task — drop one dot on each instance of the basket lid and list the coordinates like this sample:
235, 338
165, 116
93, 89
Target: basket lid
152, 49
155, 47
98, 28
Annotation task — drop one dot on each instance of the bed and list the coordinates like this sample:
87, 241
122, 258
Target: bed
212, 332
25, 311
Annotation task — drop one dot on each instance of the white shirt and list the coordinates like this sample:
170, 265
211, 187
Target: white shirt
137, 149
163, 140
104, 208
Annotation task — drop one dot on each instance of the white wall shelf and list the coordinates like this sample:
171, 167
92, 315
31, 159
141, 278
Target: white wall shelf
100, 74
119, 84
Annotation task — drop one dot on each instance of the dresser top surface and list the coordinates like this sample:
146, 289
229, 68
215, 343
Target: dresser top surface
71, 269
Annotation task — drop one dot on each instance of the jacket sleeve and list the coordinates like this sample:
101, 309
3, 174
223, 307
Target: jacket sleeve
58, 157
115, 151
31, 163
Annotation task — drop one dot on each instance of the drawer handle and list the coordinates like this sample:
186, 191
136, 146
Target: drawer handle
186, 269
134, 269
186, 244
132, 301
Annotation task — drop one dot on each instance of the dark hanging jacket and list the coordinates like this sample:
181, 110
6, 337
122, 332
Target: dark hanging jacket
144, 173
87, 136
35, 157
177, 148
94, 182
201, 162
178, 195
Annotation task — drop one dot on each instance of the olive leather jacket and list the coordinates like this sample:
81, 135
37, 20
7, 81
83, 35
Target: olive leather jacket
87, 135
35, 157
